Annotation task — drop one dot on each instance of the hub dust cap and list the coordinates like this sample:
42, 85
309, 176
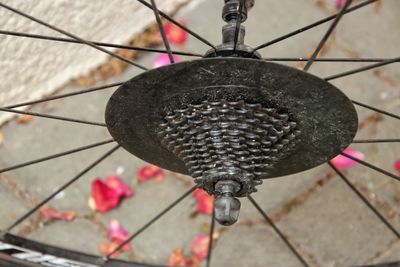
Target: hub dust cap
231, 119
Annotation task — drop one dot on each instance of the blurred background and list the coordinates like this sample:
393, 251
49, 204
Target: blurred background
321, 216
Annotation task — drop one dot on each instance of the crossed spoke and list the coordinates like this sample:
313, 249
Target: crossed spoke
276, 229
327, 35
369, 165
63, 187
73, 36
54, 117
152, 221
365, 200
358, 70
129, 47
315, 24
197, 36
54, 156
162, 31
94, 89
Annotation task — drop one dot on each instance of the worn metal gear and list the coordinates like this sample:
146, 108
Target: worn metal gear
224, 140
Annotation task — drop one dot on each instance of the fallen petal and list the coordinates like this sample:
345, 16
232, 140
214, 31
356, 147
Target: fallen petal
163, 60
151, 172
344, 163
105, 198
117, 233
24, 119
199, 246
51, 213
177, 259
340, 3
116, 183
175, 34
107, 248
205, 202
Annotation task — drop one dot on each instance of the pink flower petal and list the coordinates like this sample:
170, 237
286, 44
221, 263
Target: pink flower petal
117, 233
340, 3
205, 202
397, 165
116, 183
151, 172
163, 60
199, 246
175, 34
50, 213
344, 163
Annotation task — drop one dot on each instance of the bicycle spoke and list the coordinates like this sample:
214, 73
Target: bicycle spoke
209, 249
358, 70
129, 47
368, 141
65, 186
300, 59
47, 116
375, 109
276, 229
195, 35
73, 36
68, 152
238, 22
65, 95
369, 165
365, 200
317, 23
148, 224
327, 35
161, 28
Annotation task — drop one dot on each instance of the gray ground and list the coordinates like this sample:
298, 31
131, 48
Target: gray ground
323, 218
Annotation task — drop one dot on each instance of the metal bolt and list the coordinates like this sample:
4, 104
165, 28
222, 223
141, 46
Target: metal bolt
226, 206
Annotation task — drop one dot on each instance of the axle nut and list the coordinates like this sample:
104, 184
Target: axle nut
227, 209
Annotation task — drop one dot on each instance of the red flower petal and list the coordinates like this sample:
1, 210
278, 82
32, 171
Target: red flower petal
107, 195
176, 35
344, 163
116, 183
199, 246
57, 215
105, 198
397, 165
163, 60
205, 202
151, 172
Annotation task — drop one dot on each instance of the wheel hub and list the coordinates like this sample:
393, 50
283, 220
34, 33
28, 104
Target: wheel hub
230, 122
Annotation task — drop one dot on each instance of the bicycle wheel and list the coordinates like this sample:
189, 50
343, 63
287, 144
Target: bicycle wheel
231, 120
